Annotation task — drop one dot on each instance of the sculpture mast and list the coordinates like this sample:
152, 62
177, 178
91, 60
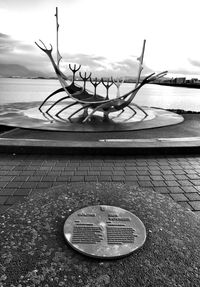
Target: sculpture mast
57, 28
140, 59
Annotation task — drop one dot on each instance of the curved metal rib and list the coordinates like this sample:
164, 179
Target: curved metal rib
52, 94
63, 109
82, 108
58, 101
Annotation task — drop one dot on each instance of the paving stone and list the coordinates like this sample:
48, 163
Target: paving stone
118, 173
179, 197
4, 167
67, 173
119, 167
195, 181
175, 166
141, 169
70, 169
62, 179
193, 196
145, 183
35, 178
96, 168
155, 172
27, 172
156, 177
14, 184
191, 171
131, 172
42, 172
29, 184
185, 204
83, 168
185, 182
118, 178
7, 191
193, 176
105, 168
144, 177
3, 184
26, 168
77, 178
81, 172
171, 183
169, 177
6, 178
175, 189
174, 175
97, 163
144, 172
61, 164
90, 178
154, 167
181, 177
21, 191
179, 172
6, 172
158, 183
161, 189
131, 168
190, 189
104, 178
20, 178
44, 184
91, 172
106, 172
44, 168
167, 172
130, 178
195, 205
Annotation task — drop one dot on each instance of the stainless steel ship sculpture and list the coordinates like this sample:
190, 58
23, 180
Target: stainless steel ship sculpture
86, 101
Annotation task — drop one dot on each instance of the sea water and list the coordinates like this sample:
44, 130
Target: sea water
28, 90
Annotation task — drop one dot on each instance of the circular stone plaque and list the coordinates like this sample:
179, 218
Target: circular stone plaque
104, 231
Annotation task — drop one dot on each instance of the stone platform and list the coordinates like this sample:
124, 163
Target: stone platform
27, 115
34, 253
183, 137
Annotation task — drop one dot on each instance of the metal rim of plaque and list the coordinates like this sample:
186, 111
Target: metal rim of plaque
104, 231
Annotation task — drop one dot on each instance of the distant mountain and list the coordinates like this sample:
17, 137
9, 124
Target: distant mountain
14, 70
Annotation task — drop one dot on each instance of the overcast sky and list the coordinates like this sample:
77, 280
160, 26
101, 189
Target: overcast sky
105, 36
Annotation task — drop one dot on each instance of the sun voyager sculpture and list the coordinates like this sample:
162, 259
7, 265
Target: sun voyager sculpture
86, 102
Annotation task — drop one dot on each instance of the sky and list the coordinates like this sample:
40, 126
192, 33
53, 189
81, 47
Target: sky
104, 36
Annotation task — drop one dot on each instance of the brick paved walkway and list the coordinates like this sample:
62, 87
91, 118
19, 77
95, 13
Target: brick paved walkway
175, 176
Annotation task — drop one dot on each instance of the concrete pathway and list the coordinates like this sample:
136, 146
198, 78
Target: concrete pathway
175, 176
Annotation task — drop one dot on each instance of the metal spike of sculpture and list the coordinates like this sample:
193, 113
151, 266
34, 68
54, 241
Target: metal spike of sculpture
107, 85
90, 102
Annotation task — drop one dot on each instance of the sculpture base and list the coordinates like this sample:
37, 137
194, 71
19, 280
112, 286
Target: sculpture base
27, 115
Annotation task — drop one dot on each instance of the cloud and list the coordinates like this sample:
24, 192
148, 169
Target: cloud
8, 45
101, 66
195, 63
3, 35
13, 51
191, 69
